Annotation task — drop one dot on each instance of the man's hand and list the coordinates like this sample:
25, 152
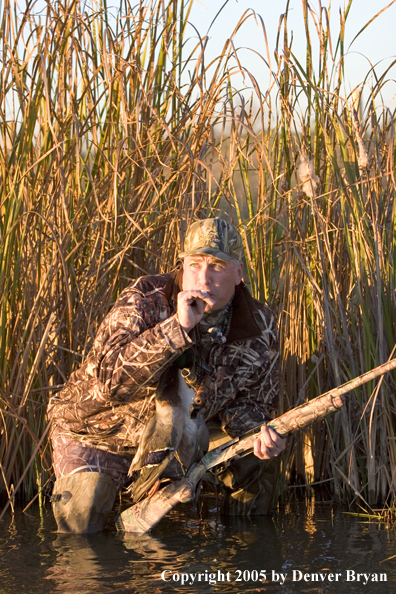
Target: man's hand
191, 306
269, 444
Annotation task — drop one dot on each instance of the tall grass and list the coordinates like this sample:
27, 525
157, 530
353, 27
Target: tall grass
115, 135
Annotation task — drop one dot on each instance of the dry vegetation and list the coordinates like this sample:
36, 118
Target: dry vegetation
113, 140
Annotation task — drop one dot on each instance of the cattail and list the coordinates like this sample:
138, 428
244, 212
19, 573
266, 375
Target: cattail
355, 99
306, 176
362, 153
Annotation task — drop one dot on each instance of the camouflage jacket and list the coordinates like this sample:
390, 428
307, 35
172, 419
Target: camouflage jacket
108, 400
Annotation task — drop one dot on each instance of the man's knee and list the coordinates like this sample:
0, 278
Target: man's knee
249, 486
81, 502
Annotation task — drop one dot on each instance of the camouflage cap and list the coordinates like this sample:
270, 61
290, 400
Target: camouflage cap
213, 237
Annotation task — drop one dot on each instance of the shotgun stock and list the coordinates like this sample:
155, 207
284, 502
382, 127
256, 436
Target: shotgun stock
143, 516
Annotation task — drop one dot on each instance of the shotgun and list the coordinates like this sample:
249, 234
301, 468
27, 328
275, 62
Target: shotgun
143, 516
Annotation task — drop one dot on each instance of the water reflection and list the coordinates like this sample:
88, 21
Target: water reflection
287, 553
83, 563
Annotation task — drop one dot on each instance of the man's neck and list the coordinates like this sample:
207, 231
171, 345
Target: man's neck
215, 318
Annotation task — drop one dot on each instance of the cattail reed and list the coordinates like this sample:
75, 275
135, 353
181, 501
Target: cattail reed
306, 176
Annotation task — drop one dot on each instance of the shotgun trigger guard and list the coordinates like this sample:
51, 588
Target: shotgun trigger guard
216, 470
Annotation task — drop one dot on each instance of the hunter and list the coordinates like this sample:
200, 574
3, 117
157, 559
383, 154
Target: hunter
99, 416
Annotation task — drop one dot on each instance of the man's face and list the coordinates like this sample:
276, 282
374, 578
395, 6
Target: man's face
217, 277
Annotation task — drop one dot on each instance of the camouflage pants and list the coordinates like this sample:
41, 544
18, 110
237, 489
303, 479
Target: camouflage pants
247, 485
70, 456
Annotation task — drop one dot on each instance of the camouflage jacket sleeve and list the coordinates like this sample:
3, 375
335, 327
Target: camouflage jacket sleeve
136, 341
138, 338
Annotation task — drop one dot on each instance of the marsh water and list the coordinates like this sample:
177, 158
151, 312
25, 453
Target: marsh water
306, 547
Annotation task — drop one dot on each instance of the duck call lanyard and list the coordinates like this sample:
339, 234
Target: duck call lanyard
213, 329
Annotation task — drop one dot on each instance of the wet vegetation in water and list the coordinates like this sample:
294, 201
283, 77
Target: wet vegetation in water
115, 134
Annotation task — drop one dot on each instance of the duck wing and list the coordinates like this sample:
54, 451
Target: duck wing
149, 474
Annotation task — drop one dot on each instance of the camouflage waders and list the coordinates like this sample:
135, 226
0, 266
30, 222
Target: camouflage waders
81, 502
247, 485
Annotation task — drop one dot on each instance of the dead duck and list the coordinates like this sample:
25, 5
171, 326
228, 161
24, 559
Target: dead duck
171, 438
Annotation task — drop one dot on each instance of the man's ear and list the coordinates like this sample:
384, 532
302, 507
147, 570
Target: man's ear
239, 274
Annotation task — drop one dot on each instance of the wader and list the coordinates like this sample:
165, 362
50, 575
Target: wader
81, 502
247, 485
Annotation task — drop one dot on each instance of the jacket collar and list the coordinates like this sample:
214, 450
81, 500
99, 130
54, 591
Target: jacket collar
243, 323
